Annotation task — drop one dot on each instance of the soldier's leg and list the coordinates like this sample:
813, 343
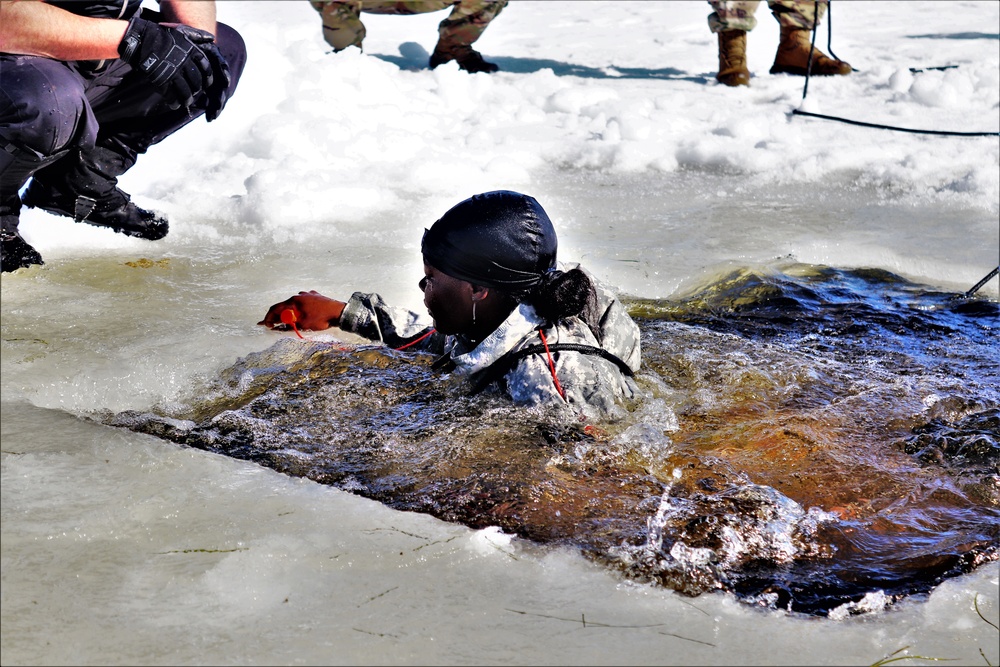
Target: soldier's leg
732, 21
131, 116
44, 114
733, 15
342, 26
797, 19
457, 33
404, 7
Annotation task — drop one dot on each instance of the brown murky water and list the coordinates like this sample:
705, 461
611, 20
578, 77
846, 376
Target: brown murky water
809, 439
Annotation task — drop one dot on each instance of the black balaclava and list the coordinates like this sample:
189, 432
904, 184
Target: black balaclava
498, 239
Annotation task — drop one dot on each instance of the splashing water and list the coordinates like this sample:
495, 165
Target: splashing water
811, 439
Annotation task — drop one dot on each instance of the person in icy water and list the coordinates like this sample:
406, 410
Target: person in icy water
503, 313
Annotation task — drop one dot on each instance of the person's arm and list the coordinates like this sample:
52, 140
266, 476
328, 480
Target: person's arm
195, 13
34, 28
312, 310
364, 314
181, 61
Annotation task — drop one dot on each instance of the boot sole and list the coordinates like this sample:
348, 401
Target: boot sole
801, 71
152, 234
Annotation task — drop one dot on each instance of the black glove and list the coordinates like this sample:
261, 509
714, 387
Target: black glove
218, 87
179, 60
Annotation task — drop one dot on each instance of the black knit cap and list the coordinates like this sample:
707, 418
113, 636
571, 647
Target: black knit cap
499, 239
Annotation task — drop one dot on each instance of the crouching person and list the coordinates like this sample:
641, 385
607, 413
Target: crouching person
85, 88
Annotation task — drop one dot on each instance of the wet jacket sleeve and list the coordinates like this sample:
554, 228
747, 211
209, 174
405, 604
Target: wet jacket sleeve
367, 315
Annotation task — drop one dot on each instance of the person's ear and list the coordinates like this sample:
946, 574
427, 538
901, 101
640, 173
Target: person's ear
479, 292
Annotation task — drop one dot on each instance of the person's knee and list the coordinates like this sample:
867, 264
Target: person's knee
477, 13
44, 107
234, 50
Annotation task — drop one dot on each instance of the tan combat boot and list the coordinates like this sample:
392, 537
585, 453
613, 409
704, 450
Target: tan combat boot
733, 58
793, 56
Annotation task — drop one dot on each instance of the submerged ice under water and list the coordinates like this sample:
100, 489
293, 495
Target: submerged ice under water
813, 439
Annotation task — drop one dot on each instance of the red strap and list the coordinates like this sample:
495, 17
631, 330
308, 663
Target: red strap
288, 317
552, 365
414, 342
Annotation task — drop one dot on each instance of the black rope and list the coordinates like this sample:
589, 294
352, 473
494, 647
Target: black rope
504, 364
982, 282
879, 126
829, 33
891, 127
812, 48
942, 68
805, 91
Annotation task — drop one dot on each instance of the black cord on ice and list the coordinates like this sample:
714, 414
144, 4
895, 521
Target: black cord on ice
829, 46
812, 47
812, 44
829, 33
982, 282
898, 129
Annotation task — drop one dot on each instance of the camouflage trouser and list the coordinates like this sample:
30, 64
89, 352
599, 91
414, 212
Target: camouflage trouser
739, 15
342, 26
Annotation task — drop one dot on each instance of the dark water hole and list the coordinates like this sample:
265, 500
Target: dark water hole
809, 439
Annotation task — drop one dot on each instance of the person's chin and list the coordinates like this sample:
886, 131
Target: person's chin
442, 328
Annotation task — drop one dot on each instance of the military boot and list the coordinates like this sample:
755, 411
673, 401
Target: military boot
467, 58
733, 58
84, 187
16, 166
15, 252
793, 56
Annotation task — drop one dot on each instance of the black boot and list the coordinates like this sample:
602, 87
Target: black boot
114, 210
84, 187
467, 58
16, 166
15, 253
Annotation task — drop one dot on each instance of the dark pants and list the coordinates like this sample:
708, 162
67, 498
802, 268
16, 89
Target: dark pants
71, 124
